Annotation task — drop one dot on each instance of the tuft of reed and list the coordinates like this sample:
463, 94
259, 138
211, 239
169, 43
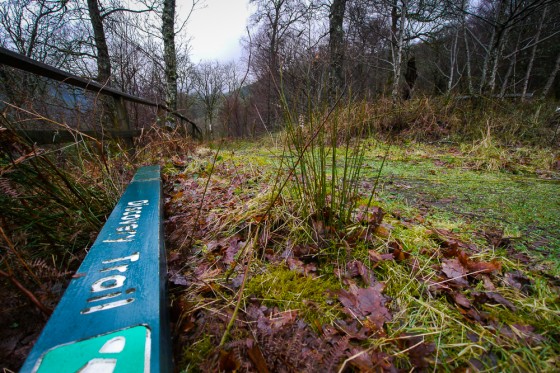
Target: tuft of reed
324, 154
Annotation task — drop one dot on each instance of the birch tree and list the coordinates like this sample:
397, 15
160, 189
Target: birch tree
533, 53
336, 45
169, 54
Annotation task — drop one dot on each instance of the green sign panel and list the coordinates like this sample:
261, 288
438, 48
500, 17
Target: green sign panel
113, 316
124, 351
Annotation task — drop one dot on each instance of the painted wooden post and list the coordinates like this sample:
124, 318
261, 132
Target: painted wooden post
113, 316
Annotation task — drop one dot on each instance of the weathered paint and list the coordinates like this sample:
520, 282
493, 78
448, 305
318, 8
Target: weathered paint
113, 316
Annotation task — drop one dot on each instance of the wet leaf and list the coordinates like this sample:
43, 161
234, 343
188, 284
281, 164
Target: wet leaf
173, 257
519, 281
237, 280
487, 283
383, 230
450, 240
256, 356
395, 248
493, 298
524, 333
300, 267
368, 304
483, 267
177, 278
228, 362
474, 315
376, 257
455, 271
472, 266
373, 217
304, 250
233, 246
495, 237
355, 268
354, 330
419, 352
371, 361
460, 299
177, 196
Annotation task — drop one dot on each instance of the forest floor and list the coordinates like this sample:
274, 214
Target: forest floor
455, 267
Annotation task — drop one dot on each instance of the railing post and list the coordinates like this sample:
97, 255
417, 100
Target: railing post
121, 114
113, 316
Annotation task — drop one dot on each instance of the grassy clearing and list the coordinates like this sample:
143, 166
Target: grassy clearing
463, 267
330, 253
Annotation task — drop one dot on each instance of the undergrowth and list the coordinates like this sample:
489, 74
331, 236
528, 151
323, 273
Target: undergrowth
402, 282
323, 248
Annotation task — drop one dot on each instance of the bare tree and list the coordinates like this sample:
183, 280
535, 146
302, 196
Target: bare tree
35, 28
103, 59
278, 21
169, 54
336, 44
533, 53
209, 85
551, 77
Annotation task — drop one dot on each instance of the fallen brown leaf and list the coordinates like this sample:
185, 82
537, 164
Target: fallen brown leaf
484, 267
395, 248
376, 257
368, 304
455, 271
371, 361
355, 268
256, 356
228, 362
460, 299
419, 352
519, 281
492, 298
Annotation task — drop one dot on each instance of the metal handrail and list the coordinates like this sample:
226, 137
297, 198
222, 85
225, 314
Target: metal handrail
18, 61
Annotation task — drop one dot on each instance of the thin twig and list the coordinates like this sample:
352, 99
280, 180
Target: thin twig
20, 259
240, 293
46, 311
195, 223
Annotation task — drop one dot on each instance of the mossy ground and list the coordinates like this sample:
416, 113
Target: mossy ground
502, 204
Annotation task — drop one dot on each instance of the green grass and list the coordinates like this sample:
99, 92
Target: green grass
525, 207
422, 188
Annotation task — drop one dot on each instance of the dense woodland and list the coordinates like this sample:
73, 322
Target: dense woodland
308, 52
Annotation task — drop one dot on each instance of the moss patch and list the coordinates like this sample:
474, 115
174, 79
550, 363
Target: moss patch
287, 289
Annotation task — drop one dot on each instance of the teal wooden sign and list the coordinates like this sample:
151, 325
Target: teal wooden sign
113, 316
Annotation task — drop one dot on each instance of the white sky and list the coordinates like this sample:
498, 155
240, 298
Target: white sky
216, 28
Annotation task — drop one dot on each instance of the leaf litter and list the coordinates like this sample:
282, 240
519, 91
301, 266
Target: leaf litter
397, 307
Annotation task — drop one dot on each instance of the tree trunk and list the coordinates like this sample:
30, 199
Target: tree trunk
273, 65
492, 53
496, 56
115, 109
336, 45
169, 54
410, 77
103, 60
468, 62
533, 54
551, 78
511, 67
397, 60
452, 61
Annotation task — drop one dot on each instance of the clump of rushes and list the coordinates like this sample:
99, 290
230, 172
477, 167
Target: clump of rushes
324, 157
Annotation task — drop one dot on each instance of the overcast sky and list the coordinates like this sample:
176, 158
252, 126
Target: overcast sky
215, 29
